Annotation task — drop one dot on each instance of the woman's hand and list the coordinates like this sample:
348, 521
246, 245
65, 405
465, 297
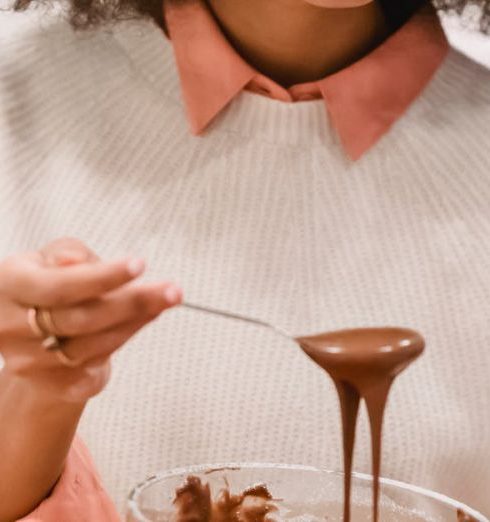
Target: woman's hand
95, 307
94, 304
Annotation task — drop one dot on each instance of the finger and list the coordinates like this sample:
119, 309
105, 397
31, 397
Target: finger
28, 357
67, 251
89, 347
26, 282
114, 308
13, 322
120, 306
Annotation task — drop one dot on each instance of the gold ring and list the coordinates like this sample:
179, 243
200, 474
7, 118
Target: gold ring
65, 360
33, 322
51, 343
47, 321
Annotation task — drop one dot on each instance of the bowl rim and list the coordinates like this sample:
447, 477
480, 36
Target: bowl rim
132, 499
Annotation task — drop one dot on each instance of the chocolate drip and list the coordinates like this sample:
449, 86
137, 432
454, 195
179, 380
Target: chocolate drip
349, 405
363, 364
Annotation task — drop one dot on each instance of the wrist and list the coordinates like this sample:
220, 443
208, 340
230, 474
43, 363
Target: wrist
37, 432
57, 385
35, 394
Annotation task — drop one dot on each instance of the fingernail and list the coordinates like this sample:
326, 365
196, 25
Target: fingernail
136, 267
171, 294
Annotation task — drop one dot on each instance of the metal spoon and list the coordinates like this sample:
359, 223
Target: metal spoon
239, 317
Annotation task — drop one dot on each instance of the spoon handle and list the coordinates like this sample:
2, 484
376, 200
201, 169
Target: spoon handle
239, 317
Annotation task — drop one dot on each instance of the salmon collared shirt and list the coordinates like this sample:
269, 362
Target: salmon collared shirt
363, 101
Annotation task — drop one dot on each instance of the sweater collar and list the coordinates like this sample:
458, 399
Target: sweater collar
363, 100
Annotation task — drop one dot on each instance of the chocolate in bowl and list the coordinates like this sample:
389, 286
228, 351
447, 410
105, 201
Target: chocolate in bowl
301, 494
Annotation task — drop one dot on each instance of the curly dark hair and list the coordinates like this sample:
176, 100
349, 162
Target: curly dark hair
91, 13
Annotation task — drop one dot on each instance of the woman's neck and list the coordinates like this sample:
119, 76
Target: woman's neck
292, 41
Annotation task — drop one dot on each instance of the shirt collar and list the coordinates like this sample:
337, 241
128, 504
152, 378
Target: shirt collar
362, 100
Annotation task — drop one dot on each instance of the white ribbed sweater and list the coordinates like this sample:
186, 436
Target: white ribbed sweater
265, 216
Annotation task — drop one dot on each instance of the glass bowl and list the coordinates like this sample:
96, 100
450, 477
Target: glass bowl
306, 494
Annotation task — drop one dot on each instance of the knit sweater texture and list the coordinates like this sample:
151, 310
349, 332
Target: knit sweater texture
263, 215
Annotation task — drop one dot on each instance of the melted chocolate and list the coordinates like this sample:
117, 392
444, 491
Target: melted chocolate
363, 364
193, 503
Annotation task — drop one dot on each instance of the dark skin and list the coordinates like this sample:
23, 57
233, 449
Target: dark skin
293, 41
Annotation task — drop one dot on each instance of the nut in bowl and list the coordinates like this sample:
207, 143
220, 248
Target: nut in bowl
278, 492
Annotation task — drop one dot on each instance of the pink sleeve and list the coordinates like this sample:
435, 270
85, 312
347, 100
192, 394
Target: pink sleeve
78, 496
